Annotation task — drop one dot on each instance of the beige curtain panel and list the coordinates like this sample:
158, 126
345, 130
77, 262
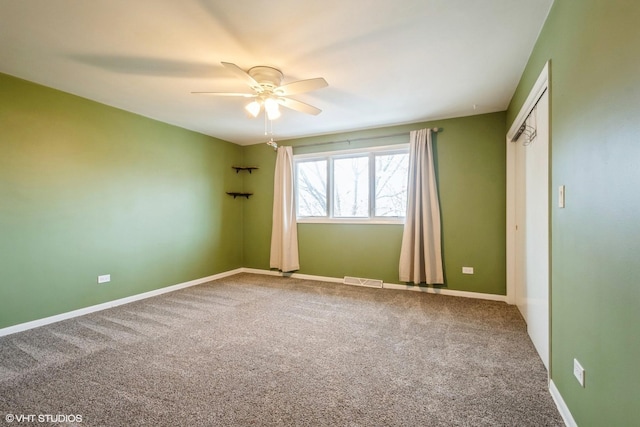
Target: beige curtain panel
421, 251
284, 231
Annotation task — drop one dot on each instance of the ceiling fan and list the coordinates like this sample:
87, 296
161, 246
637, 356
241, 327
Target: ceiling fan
269, 92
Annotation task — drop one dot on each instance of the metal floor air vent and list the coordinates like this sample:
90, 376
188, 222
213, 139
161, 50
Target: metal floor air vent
359, 281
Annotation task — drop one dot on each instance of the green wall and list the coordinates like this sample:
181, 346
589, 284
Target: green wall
87, 189
470, 160
594, 48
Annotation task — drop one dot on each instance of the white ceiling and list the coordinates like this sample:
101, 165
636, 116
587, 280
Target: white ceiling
387, 62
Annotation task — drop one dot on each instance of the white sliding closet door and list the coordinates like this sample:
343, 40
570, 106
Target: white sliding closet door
528, 215
531, 260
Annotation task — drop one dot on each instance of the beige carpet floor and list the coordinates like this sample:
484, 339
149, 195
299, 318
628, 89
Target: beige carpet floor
254, 350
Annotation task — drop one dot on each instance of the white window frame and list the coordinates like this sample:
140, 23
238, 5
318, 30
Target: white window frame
329, 156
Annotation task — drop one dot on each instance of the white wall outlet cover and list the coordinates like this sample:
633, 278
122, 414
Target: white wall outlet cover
104, 278
467, 270
578, 372
561, 196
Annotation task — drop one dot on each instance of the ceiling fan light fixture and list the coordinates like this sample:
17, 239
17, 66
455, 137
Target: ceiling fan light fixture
253, 108
266, 83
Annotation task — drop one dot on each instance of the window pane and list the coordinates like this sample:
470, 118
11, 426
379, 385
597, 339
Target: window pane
311, 180
351, 187
391, 184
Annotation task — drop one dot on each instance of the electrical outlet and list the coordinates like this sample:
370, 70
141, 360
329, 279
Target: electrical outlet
104, 278
467, 270
578, 372
561, 196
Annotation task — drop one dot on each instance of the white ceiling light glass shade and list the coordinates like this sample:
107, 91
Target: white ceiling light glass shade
253, 108
272, 108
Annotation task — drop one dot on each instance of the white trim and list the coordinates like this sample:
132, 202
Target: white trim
511, 223
430, 290
448, 292
562, 406
99, 307
292, 275
541, 85
356, 221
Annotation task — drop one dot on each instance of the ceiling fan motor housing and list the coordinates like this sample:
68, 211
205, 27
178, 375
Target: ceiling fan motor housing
269, 78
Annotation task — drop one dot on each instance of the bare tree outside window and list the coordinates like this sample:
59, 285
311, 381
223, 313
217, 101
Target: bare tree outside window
311, 181
366, 185
391, 184
351, 187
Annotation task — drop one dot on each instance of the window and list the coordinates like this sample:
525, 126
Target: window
311, 185
367, 185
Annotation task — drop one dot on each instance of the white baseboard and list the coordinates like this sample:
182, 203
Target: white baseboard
293, 275
449, 292
99, 307
562, 407
430, 290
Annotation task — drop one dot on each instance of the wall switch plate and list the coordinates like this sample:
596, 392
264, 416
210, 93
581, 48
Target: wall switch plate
467, 270
578, 372
561, 196
104, 278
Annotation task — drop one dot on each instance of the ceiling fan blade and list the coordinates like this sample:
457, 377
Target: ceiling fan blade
240, 73
299, 106
302, 86
244, 95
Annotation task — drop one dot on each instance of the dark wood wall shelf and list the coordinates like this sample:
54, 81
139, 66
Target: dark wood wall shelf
234, 194
238, 193
244, 168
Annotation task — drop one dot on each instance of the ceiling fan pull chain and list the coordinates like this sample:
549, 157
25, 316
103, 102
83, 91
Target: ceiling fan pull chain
265, 125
